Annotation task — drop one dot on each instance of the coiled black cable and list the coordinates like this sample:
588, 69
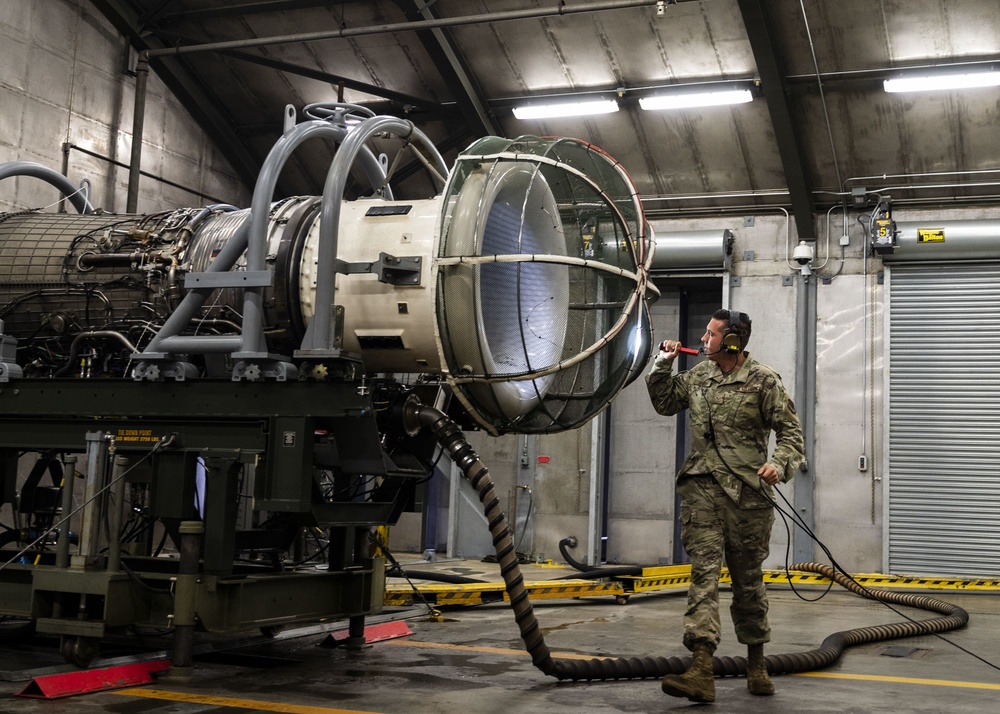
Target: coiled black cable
461, 452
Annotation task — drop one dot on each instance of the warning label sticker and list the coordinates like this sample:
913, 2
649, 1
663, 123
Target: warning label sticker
136, 436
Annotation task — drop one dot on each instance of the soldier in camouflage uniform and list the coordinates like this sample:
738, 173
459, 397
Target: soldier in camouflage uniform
726, 486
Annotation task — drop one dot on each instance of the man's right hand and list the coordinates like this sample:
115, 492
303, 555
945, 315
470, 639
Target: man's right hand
669, 349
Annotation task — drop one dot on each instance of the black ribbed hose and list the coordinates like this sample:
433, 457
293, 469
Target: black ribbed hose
451, 439
587, 572
564, 545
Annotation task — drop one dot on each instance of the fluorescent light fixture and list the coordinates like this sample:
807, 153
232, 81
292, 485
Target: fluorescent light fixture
686, 99
957, 80
566, 109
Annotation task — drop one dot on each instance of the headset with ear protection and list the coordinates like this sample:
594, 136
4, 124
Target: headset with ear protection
732, 339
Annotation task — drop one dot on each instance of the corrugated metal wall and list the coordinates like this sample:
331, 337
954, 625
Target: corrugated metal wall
943, 504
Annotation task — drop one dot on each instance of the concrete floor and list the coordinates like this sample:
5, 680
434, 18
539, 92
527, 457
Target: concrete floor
475, 661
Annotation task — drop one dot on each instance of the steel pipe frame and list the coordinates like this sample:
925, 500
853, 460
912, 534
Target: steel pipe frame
386, 28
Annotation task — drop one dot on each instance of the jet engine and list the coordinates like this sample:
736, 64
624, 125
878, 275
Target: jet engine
186, 362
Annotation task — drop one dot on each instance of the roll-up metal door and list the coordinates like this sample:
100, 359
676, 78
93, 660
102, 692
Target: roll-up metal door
943, 504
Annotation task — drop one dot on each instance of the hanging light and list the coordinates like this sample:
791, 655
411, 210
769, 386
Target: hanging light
566, 109
684, 98
950, 80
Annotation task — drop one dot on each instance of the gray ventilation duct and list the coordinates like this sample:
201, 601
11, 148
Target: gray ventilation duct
705, 251
932, 240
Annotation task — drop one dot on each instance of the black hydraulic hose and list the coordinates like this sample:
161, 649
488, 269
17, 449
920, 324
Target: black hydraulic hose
564, 546
398, 572
448, 434
619, 572
834, 645
587, 572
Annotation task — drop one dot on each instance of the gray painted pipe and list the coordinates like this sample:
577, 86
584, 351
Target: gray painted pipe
553, 10
260, 207
318, 334
194, 300
28, 168
138, 115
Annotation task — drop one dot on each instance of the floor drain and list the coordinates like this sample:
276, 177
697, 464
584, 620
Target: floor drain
900, 651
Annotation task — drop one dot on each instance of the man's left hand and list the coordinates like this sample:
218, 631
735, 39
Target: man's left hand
769, 474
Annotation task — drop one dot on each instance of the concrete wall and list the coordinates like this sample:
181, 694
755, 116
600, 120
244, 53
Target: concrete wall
65, 81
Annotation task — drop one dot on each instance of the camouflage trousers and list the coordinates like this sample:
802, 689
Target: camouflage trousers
714, 527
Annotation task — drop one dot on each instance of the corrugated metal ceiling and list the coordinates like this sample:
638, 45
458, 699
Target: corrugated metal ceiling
821, 123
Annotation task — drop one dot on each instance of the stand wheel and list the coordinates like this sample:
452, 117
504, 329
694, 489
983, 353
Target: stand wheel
80, 651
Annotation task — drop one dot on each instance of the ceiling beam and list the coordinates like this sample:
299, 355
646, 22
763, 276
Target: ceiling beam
175, 73
770, 68
310, 73
450, 63
154, 14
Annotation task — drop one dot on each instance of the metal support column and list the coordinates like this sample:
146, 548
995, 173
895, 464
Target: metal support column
598, 476
221, 492
62, 543
185, 592
138, 116
805, 402
93, 498
355, 633
115, 515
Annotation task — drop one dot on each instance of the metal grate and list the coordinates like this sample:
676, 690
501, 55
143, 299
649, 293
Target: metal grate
541, 283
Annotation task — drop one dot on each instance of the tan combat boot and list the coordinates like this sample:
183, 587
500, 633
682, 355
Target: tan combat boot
757, 680
698, 682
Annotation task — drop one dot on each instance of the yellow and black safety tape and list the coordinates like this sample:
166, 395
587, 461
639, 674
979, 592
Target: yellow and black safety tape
673, 577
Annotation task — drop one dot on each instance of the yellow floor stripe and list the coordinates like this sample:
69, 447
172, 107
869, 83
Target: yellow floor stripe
253, 704
901, 680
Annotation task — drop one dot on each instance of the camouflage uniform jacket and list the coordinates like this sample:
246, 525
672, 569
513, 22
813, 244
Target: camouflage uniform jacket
742, 409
